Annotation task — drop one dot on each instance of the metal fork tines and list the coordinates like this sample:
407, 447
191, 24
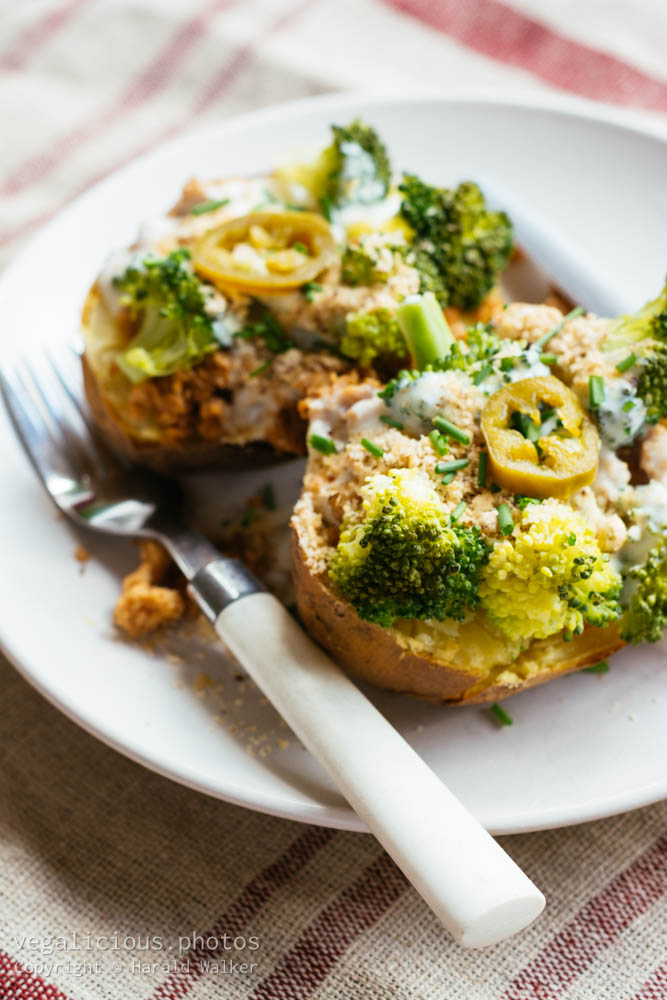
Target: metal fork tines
90, 485
48, 417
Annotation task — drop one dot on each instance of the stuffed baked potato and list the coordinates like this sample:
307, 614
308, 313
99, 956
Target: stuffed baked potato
201, 339
485, 524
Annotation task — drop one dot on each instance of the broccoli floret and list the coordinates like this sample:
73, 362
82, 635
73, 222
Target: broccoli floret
359, 267
353, 169
482, 347
168, 303
652, 382
404, 559
430, 278
467, 243
549, 576
373, 337
644, 334
645, 597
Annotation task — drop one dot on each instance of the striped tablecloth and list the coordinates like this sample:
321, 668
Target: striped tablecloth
116, 883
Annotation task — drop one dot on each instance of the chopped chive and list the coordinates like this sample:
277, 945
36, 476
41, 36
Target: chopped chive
208, 206
482, 374
450, 477
501, 716
481, 469
628, 405
391, 422
321, 443
310, 288
505, 521
457, 513
454, 466
374, 449
623, 366
572, 539
522, 502
598, 668
301, 247
506, 364
548, 359
326, 206
451, 430
440, 446
596, 391
495, 488
262, 368
546, 337
292, 207
268, 497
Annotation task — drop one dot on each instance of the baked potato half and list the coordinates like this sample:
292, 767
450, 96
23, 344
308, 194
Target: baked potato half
235, 407
462, 665
426, 569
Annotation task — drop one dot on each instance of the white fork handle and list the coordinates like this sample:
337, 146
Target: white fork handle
473, 886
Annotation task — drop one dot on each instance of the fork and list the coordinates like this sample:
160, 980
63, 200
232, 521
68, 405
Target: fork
473, 886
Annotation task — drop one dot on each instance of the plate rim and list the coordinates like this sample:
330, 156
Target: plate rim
631, 121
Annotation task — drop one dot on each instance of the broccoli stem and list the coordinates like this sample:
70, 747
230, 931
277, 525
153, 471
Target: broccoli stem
425, 329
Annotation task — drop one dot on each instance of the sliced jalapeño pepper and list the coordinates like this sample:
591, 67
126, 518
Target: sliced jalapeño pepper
537, 455
265, 251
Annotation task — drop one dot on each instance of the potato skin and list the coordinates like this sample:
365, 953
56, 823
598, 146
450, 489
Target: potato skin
373, 654
175, 458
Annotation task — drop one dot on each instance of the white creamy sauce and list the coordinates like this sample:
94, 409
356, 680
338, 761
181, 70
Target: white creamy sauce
650, 512
621, 414
418, 401
527, 365
372, 214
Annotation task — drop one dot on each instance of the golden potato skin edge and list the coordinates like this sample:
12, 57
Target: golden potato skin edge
175, 458
371, 653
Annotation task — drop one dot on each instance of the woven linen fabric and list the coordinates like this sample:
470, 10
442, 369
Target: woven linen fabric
118, 884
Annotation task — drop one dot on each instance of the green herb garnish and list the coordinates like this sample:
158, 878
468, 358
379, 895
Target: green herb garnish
449, 429
209, 206
505, 520
373, 449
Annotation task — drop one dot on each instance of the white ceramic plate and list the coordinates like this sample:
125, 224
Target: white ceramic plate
583, 747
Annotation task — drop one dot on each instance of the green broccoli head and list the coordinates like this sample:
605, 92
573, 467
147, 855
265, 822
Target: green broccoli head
355, 166
373, 338
549, 576
430, 278
360, 267
468, 244
644, 334
480, 347
652, 382
404, 559
167, 302
645, 597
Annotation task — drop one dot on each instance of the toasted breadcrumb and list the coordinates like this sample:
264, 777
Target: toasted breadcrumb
144, 605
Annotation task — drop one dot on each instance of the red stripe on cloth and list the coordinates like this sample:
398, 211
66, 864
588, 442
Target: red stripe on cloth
37, 34
17, 983
601, 922
327, 938
505, 34
255, 895
655, 987
146, 85
223, 80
